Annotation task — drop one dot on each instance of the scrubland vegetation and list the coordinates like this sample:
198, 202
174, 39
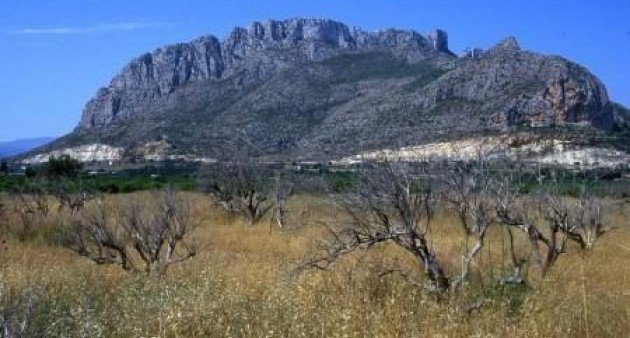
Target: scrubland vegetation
345, 264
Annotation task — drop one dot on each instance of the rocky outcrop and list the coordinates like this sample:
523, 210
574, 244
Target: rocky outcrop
84, 153
522, 88
534, 151
509, 43
260, 48
153, 75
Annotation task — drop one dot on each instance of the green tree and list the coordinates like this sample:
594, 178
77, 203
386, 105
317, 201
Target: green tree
63, 166
4, 166
30, 172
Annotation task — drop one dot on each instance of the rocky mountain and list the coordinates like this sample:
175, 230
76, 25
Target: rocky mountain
311, 89
261, 50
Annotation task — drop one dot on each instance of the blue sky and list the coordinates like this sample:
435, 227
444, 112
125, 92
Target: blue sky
54, 55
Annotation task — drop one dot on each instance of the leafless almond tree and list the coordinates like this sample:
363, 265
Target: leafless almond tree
245, 189
71, 194
549, 219
98, 236
394, 202
390, 204
467, 190
144, 236
590, 221
157, 236
32, 203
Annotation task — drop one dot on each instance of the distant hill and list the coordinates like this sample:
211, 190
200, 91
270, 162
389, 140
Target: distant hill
15, 147
311, 89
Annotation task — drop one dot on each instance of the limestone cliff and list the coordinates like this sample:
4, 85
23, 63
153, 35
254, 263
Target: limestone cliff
258, 49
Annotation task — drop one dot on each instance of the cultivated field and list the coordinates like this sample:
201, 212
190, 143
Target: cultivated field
243, 283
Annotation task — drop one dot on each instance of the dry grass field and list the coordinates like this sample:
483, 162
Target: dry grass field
242, 284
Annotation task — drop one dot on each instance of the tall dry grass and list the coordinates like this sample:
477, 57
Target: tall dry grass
241, 285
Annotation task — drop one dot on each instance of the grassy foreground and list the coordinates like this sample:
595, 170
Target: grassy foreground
241, 285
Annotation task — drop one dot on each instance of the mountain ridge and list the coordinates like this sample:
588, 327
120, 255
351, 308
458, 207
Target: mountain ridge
17, 146
317, 89
158, 73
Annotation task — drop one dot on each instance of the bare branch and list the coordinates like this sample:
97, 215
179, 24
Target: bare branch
280, 193
560, 218
72, 195
33, 204
390, 204
242, 188
95, 235
467, 191
151, 233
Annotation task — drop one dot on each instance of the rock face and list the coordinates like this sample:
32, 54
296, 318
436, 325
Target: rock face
544, 151
318, 89
254, 48
84, 153
515, 88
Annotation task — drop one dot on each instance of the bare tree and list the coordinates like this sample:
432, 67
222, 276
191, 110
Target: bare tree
33, 199
394, 203
280, 193
512, 213
32, 204
390, 204
242, 188
147, 237
467, 189
549, 219
99, 237
157, 236
589, 222
72, 195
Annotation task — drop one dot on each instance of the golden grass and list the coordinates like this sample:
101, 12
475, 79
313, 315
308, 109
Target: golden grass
241, 285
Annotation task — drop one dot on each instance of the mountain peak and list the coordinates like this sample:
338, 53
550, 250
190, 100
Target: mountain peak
295, 31
509, 43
